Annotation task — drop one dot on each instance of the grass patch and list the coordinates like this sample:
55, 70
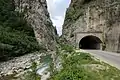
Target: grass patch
81, 66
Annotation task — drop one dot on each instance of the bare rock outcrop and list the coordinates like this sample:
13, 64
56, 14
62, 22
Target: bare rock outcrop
37, 16
94, 16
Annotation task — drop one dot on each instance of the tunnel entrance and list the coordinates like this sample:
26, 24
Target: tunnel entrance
90, 42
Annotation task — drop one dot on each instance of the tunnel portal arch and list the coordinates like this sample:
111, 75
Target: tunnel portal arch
90, 42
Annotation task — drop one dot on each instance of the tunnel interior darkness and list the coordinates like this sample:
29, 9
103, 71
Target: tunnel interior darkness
90, 42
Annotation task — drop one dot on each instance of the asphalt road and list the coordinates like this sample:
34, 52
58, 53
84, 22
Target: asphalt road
108, 57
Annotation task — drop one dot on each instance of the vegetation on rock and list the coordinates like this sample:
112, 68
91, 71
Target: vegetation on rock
16, 36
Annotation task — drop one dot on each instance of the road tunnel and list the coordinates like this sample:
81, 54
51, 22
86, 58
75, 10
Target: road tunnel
90, 42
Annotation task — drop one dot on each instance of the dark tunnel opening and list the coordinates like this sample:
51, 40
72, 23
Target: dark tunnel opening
90, 42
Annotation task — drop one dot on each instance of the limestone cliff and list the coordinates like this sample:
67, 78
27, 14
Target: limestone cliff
21, 23
94, 16
36, 14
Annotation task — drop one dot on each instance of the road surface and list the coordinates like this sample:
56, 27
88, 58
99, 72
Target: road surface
108, 57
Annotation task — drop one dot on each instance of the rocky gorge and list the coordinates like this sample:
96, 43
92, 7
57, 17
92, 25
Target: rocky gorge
29, 43
26, 33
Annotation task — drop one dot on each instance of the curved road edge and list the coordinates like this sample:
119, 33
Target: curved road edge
110, 58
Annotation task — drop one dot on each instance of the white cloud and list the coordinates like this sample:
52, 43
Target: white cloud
58, 22
57, 9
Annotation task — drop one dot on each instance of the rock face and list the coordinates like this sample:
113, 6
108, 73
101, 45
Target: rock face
94, 16
36, 14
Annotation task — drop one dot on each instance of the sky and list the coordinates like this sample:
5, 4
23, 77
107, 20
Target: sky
57, 9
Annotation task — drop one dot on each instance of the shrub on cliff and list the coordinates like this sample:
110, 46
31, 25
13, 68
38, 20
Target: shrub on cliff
16, 36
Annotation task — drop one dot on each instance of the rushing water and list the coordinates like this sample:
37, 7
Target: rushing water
43, 69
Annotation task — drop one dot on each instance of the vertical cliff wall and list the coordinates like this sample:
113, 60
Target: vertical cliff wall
94, 16
23, 25
36, 14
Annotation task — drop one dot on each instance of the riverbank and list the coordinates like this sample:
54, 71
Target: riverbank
18, 65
